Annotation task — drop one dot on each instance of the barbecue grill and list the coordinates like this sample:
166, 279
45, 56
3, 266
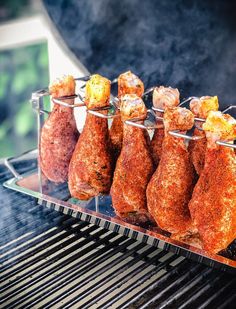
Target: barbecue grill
52, 260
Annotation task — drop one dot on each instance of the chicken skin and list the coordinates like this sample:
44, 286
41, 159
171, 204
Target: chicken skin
213, 204
170, 188
163, 97
200, 108
59, 134
128, 83
90, 170
134, 166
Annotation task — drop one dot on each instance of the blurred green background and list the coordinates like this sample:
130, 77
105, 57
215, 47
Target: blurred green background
22, 71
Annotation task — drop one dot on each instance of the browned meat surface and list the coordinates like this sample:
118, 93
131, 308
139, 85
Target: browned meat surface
197, 150
213, 204
59, 134
116, 136
163, 97
200, 108
128, 83
156, 144
170, 187
90, 171
134, 166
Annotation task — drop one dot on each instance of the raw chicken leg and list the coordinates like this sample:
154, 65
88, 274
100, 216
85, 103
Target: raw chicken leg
200, 108
134, 166
163, 97
128, 83
213, 204
170, 188
90, 171
59, 134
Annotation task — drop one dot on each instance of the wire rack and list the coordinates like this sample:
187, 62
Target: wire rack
98, 211
112, 108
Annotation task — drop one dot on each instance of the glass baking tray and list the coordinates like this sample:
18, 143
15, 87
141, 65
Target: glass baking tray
99, 211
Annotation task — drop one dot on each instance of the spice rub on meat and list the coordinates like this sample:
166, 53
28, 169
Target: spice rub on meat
59, 134
170, 188
134, 166
213, 204
163, 97
90, 171
200, 108
128, 83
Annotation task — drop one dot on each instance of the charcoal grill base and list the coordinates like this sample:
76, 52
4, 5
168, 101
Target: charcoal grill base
99, 211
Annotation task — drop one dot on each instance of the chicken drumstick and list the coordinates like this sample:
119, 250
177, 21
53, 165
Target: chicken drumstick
128, 83
163, 97
200, 108
170, 188
134, 166
59, 134
213, 204
90, 170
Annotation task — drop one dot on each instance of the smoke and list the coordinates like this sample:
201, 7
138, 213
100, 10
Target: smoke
186, 44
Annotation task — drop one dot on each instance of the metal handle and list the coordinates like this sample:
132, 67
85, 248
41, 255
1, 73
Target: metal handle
11, 168
9, 165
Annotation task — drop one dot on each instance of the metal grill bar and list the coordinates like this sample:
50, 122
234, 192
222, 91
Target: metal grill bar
22, 227
146, 276
37, 236
51, 260
27, 263
229, 303
171, 276
223, 293
30, 230
113, 275
42, 245
184, 288
174, 286
20, 216
69, 270
83, 271
202, 291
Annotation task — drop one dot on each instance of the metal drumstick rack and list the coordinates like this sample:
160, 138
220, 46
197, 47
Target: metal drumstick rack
56, 196
136, 122
37, 102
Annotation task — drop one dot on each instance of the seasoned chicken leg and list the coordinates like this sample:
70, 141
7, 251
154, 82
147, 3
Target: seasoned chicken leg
213, 204
170, 188
90, 170
200, 108
134, 166
59, 134
128, 83
163, 97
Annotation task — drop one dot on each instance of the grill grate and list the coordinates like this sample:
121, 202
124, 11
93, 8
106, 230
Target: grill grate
50, 260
